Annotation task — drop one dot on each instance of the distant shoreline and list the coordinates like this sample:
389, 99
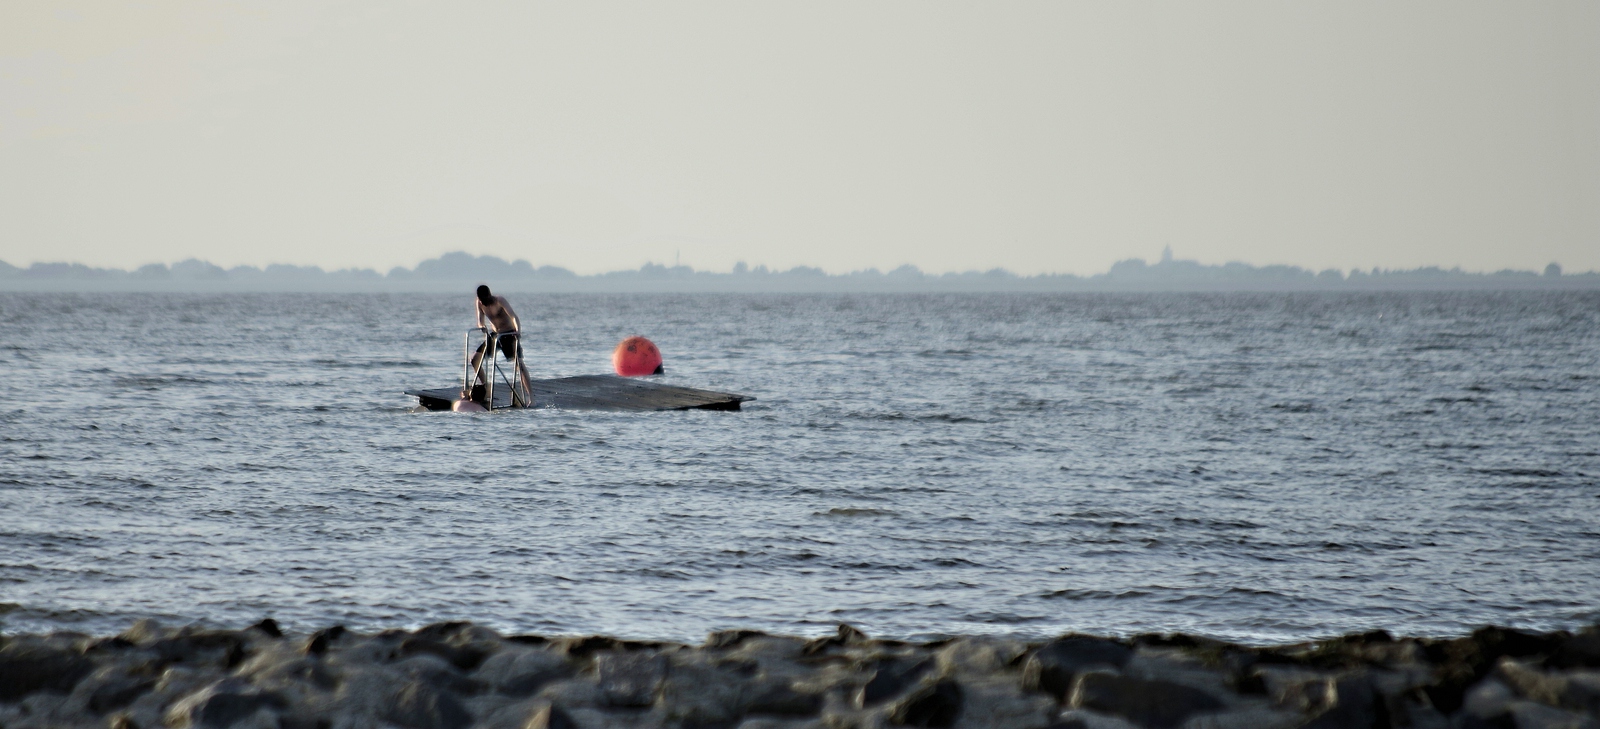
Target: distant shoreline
456, 675
455, 271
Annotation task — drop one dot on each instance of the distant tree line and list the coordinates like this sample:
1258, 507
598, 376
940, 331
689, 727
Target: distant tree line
453, 271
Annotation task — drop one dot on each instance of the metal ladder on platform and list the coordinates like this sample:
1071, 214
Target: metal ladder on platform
488, 371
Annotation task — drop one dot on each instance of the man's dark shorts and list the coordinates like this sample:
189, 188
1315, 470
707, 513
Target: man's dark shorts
508, 346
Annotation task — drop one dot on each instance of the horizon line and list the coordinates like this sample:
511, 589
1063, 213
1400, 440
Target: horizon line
743, 268
458, 269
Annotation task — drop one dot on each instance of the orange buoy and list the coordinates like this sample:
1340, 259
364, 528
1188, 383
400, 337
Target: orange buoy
636, 356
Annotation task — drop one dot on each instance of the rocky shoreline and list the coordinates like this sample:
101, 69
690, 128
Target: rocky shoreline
458, 675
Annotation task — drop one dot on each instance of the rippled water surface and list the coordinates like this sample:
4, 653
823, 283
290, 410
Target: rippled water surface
1259, 467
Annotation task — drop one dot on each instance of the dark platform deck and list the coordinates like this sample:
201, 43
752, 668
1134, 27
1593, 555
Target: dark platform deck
597, 392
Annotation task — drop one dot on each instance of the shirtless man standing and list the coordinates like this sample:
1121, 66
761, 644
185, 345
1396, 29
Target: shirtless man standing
501, 319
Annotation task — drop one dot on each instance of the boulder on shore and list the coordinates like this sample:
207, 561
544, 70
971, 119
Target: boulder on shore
459, 675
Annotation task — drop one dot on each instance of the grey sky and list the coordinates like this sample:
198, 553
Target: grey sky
1035, 136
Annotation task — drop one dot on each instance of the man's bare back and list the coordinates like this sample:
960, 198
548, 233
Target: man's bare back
499, 314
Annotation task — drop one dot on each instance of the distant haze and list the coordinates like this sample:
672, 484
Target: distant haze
1041, 137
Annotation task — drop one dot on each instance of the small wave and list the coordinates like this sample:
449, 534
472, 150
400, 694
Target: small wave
849, 511
1001, 618
156, 382
897, 416
663, 574
1071, 594
1216, 523
872, 566
348, 364
1521, 472
1251, 591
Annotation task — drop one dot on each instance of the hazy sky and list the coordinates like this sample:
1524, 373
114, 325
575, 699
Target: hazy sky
1036, 136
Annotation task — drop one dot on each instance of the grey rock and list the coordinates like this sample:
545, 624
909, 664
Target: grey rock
46, 710
222, 705
29, 666
889, 678
998, 701
1177, 666
1298, 689
1488, 700
550, 717
1495, 641
781, 698
1052, 667
301, 722
178, 681
1583, 692
219, 648
1158, 704
1461, 662
288, 670
437, 672
319, 641
572, 693
1579, 651
630, 679
731, 638
145, 631
843, 636
1403, 693
364, 693
456, 675
109, 691
1087, 719
1259, 717
361, 651
464, 658
1530, 682
767, 722
268, 627
1535, 715
1571, 690
1414, 710
1074, 723
1356, 705
967, 657
173, 684
935, 704
418, 705
463, 645
767, 650
521, 672
699, 690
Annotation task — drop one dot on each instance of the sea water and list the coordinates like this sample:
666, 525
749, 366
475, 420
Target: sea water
1260, 467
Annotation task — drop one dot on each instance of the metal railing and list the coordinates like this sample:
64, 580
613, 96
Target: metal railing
488, 370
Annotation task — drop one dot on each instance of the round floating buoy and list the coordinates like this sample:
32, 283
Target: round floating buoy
635, 357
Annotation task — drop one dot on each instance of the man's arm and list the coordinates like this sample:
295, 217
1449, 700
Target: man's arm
477, 309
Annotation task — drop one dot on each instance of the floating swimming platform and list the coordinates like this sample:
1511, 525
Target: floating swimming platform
493, 387
593, 392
